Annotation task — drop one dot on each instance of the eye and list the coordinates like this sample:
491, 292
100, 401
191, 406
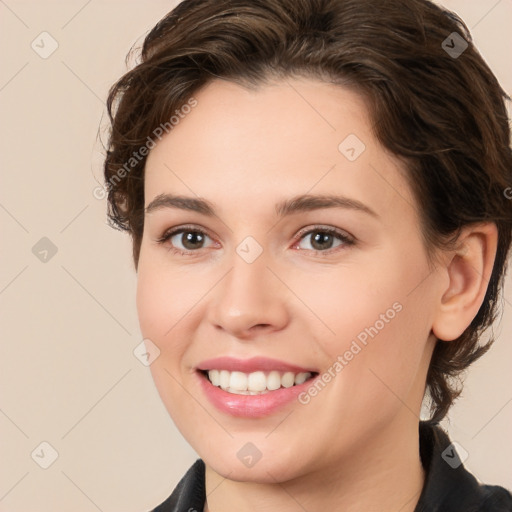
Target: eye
190, 238
187, 240
324, 238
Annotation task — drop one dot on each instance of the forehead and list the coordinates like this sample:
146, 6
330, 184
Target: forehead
252, 148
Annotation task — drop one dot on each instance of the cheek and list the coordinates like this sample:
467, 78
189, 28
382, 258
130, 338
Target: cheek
347, 303
162, 306
162, 303
378, 324
151, 303
163, 297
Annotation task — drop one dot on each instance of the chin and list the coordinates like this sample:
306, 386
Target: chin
262, 472
240, 460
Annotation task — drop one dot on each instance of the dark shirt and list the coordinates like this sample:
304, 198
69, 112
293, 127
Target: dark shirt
448, 486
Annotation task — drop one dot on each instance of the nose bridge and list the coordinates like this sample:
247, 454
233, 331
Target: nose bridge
250, 275
250, 294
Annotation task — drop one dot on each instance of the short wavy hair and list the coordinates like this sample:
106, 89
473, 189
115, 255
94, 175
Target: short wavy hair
434, 103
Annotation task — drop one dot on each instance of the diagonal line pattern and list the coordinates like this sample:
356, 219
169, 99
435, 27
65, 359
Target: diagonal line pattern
74, 218
321, 178
198, 402
13, 279
310, 105
102, 397
284, 489
485, 15
219, 484
286, 417
14, 218
88, 497
83, 82
385, 180
503, 407
403, 403
76, 14
14, 485
301, 300
13, 76
14, 423
421, 282
206, 508
96, 300
13, 13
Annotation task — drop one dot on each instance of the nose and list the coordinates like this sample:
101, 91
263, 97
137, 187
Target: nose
250, 300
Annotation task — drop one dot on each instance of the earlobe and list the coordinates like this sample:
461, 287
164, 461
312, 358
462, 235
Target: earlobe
469, 269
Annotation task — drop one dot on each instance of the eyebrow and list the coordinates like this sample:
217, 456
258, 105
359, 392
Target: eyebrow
296, 204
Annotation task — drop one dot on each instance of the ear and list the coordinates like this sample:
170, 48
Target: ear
468, 269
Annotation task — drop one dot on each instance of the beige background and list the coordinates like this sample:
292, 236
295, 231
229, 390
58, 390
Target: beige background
68, 375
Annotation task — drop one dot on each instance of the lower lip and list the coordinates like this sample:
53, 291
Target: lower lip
251, 406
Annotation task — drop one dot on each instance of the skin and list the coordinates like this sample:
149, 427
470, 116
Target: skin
356, 442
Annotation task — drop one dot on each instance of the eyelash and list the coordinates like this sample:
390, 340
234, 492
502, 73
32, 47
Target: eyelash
345, 238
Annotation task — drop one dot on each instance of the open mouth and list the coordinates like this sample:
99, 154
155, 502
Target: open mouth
255, 383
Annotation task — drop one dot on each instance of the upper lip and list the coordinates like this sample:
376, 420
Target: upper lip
253, 364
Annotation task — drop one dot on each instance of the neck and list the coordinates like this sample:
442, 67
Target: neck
386, 475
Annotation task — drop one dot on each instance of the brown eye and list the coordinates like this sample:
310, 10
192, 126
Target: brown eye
191, 239
323, 239
185, 240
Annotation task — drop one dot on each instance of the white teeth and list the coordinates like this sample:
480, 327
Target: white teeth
255, 383
300, 378
224, 378
287, 380
214, 377
273, 381
238, 381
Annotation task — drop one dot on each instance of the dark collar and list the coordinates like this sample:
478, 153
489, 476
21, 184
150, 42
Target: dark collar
448, 487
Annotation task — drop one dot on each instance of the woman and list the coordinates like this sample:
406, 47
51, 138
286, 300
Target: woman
316, 193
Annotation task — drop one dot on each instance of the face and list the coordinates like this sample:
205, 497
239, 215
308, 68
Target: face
266, 288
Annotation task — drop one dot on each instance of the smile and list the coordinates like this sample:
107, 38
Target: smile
255, 383
253, 387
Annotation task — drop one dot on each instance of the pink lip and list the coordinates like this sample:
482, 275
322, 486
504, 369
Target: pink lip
251, 406
253, 364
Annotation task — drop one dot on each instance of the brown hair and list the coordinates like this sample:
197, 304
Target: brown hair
443, 114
